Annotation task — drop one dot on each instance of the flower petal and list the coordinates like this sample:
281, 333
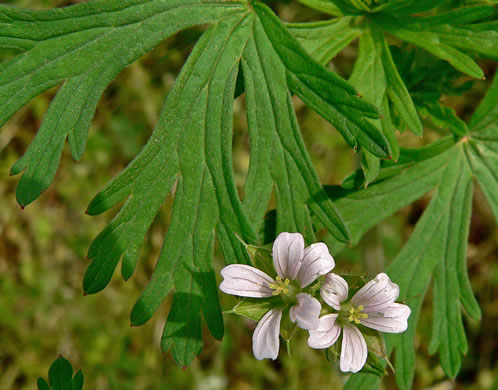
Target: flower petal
391, 319
353, 350
306, 311
326, 334
265, 339
288, 251
377, 294
317, 261
334, 291
245, 281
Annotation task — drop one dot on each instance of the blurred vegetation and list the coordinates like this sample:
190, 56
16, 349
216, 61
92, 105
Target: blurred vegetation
43, 312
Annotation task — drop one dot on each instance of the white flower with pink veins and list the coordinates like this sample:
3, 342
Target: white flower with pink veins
297, 267
372, 306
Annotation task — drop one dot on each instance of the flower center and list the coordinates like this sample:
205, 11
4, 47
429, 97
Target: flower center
281, 286
355, 314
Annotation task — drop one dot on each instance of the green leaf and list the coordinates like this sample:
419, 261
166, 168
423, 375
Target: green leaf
369, 77
396, 89
444, 40
370, 166
57, 50
325, 39
195, 153
78, 381
463, 15
482, 157
324, 6
408, 7
397, 185
443, 116
481, 149
326, 93
185, 262
438, 243
272, 123
60, 374
486, 115
42, 384
363, 381
438, 247
375, 81
60, 377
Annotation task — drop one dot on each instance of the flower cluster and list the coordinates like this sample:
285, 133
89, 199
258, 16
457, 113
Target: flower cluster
297, 267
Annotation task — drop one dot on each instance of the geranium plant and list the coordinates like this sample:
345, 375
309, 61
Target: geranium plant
410, 54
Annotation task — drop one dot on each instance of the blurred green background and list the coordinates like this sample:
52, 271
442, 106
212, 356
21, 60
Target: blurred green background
43, 312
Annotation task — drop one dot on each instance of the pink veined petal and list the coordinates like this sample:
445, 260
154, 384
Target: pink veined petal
326, 334
245, 281
265, 339
376, 294
353, 350
306, 311
334, 290
391, 319
317, 261
288, 251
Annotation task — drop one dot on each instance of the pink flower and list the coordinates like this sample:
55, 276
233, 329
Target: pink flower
372, 306
297, 267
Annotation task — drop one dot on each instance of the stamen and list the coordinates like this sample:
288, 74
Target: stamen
280, 286
356, 315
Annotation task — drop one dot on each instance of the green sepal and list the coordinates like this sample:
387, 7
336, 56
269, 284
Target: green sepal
374, 365
287, 327
333, 352
262, 259
255, 308
375, 342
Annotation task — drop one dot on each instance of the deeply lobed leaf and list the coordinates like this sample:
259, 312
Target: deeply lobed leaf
65, 46
438, 248
195, 152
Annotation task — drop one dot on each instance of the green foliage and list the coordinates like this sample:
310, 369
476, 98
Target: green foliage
198, 162
56, 50
438, 247
376, 74
60, 377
